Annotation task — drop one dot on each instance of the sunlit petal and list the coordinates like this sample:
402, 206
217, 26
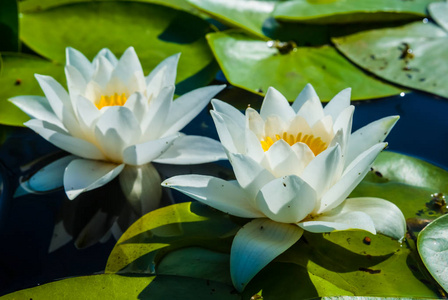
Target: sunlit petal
340, 221
226, 196
276, 104
144, 153
256, 245
82, 175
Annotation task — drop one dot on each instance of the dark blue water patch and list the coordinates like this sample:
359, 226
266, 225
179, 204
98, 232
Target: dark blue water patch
422, 130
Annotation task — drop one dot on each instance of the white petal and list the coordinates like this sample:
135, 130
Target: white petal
307, 94
106, 53
341, 221
312, 111
37, 107
226, 196
323, 170
256, 245
83, 175
115, 130
60, 103
168, 67
275, 103
344, 123
51, 176
80, 62
274, 125
351, 177
144, 153
253, 146
227, 109
75, 82
88, 113
299, 124
153, 122
141, 186
282, 159
369, 135
68, 143
103, 71
304, 156
250, 175
254, 122
230, 133
338, 104
188, 106
386, 216
138, 105
286, 200
187, 150
127, 66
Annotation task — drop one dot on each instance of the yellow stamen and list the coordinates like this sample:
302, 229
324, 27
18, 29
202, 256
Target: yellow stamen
315, 143
113, 100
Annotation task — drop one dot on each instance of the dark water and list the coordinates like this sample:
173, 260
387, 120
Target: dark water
27, 222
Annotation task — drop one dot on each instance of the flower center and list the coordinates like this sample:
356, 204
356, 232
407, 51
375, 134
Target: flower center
113, 100
315, 143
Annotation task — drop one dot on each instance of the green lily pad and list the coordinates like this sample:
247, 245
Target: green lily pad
184, 239
415, 186
251, 64
166, 229
9, 26
439, 12
17, 78
247, 15
433, 248
409, 55
349, 11
155, 31
38, 5
111, 286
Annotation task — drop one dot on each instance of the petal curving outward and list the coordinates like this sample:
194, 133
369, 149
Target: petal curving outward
250, 175
88, 113
60, 103
344, 124
162, 75
141, 187
227, 109
66, 142
37, 107
80, 62
230, 133
369, 135
323, 171
144, 153
339, 221
286, 200
51, 176
188, 106
275, 103
386, 216
339, 102
256, 244
226, 196
115, 130
138, 105
351, 177
83, 175
189, 149
307, 94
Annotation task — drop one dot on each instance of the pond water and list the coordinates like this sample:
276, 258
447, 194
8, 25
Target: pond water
27, 222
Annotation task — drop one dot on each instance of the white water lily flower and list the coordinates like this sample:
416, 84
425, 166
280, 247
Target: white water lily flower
114, 120
295, 166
